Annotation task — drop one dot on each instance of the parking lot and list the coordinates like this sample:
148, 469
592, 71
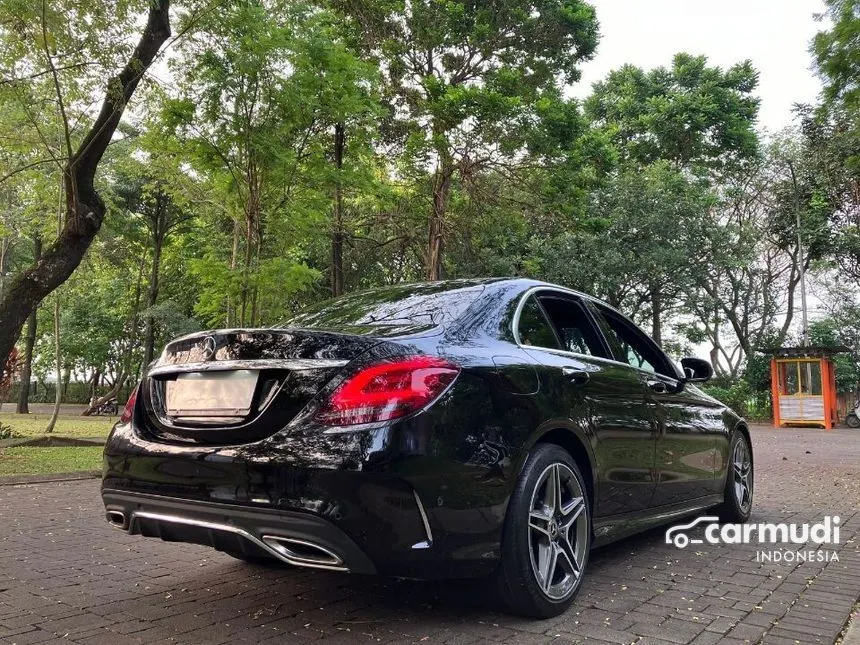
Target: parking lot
66, 576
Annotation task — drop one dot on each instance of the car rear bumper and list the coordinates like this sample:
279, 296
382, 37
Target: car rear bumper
299, 539
323, 501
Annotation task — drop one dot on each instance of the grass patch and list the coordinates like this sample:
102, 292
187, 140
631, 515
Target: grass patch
29, 461
68, 425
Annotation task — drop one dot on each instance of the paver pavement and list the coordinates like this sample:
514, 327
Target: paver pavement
66, 576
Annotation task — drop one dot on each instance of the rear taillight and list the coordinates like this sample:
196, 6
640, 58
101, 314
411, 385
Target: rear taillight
388, 390
128, 410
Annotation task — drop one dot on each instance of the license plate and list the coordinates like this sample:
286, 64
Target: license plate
211, 394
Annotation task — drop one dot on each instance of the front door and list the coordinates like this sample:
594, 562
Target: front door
689, 426
606, 397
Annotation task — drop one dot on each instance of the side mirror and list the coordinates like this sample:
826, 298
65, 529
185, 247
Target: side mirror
696, 370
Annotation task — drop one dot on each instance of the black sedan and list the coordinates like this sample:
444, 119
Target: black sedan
497, 428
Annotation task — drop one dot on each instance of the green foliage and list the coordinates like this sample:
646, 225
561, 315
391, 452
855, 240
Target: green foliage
739, 396
261, 86
842, 329
386, 138
831, 173
6, 432
606, 256
757, 372
837, 54
735, 395
690, 114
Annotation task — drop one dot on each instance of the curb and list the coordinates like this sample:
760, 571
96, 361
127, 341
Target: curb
51, 441
851, 633
45, 478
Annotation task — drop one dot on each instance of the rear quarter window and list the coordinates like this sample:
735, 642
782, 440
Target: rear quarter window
534, 328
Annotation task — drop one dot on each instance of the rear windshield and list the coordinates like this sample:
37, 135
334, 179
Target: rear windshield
409, 307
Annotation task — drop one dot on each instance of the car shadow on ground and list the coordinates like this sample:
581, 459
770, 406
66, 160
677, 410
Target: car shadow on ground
446, 599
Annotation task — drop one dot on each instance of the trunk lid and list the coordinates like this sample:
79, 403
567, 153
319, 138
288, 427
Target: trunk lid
232, 386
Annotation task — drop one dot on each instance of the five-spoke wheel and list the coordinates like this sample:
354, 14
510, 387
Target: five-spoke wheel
558, 525
547, 535
738, 495
742, 474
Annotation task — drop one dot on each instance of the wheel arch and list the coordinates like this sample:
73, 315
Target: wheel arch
578, 449
742, 427
739, 426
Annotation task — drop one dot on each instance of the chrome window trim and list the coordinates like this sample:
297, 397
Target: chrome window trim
515, 324
293, 364
674, 378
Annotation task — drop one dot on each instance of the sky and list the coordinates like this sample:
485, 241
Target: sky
774, 34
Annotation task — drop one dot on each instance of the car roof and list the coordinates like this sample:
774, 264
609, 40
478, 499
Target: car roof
488, 307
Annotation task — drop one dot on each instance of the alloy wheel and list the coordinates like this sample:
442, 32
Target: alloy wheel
742, 473
558, 531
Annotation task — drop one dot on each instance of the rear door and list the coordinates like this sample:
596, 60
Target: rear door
688, 425
606, 397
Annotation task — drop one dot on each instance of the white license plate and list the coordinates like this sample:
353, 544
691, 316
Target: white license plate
212, 394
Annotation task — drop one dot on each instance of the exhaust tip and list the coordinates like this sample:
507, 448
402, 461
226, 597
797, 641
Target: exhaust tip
116, 519
303, 553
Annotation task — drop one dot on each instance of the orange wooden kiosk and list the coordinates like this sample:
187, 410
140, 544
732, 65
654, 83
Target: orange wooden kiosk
803, 386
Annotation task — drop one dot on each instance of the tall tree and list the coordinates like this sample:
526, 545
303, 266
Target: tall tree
671, 125
46, 44
465, 79
140, 187
689, 114
837, 54
262, 86
744, 296
23, 406
635, 246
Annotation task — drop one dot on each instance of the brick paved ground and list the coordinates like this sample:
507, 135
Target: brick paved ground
66, 576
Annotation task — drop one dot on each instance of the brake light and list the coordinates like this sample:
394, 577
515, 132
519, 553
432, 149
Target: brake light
128, 410
388, 390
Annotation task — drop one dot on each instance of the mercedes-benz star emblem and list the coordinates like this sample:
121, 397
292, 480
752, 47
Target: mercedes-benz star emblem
208, 348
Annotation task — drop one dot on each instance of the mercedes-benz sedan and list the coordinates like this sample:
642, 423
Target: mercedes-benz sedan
497, 428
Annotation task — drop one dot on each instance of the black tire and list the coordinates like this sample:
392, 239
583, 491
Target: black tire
852, 421
738, 492
517, 578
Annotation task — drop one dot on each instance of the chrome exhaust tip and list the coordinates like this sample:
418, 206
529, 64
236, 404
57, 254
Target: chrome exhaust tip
117, 519
303, 553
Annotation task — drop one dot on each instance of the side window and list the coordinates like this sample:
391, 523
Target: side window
573, 326
534, 329
630, 344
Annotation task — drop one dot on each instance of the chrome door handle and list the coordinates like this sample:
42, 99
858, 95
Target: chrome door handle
575, 375
658, 386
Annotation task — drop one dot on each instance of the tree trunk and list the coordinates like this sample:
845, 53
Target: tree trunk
125, 366
94, 404
67, 376
246, 270
94, 384
656, 315
436, 224
85, 209
5, 243
158, 236
58, 390
234, 260
337, 234
29, 343
255, 293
